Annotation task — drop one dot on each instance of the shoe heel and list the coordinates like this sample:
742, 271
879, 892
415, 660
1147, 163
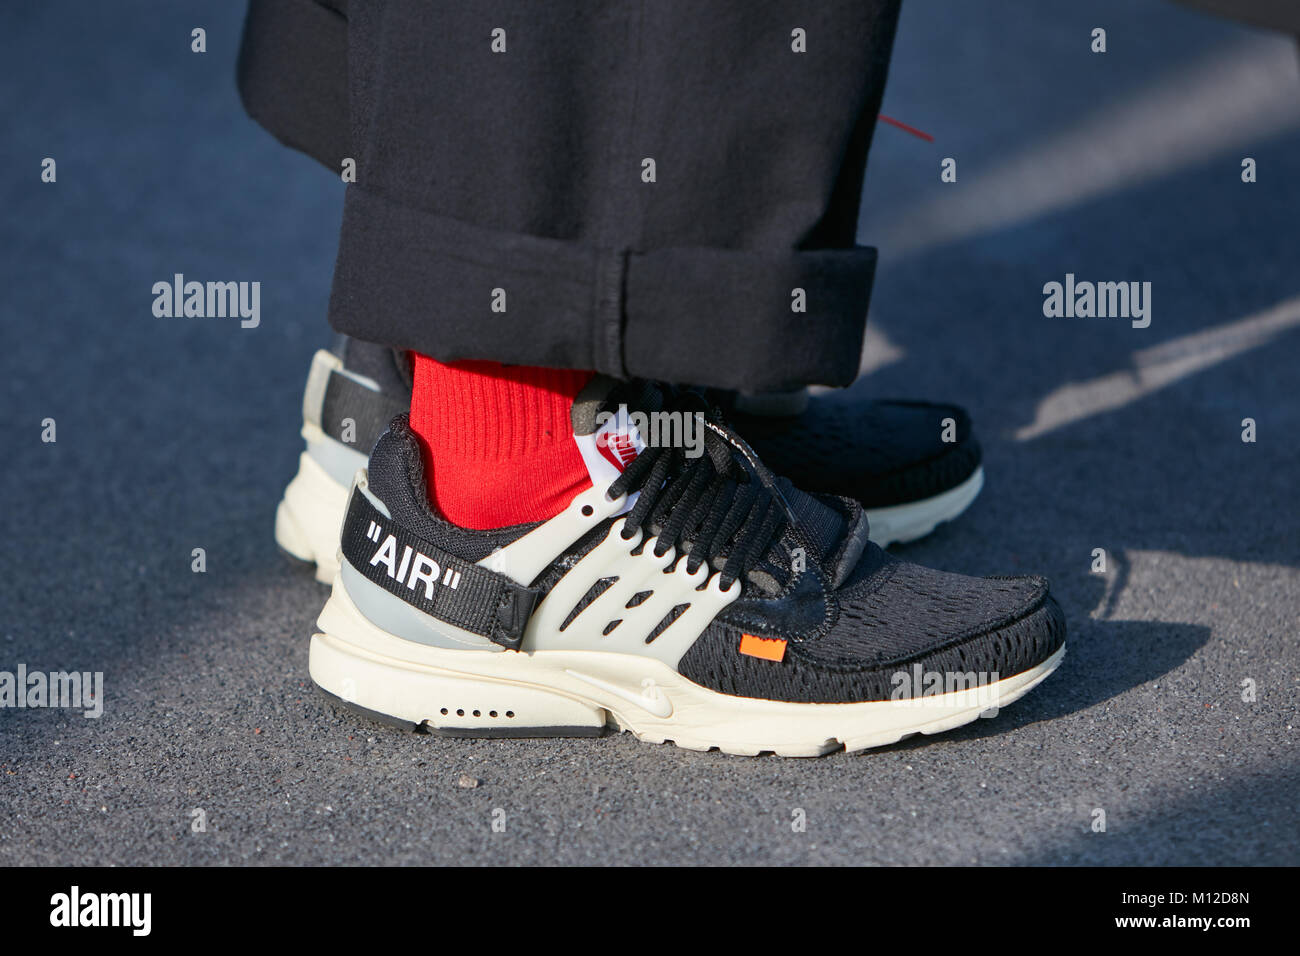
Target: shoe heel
451, 692
308, 518
440, 701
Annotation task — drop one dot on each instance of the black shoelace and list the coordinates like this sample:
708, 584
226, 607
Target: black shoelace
692, 500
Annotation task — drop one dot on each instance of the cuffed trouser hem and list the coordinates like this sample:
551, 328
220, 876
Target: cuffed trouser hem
292, 76
725, 318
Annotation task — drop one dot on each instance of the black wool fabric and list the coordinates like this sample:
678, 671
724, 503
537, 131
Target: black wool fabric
293, 78
525, 170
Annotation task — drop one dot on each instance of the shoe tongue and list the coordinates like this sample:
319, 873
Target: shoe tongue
824, 526
605, 394
606, 434
609, 442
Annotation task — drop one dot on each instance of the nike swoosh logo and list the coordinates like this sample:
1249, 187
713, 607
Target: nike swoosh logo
658, 705
617, 449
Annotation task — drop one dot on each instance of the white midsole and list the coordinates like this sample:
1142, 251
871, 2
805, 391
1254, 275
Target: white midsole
490, 691
908, 522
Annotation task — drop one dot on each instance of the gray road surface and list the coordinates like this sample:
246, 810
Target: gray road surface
174, 434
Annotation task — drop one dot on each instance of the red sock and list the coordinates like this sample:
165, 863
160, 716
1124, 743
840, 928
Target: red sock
498, 440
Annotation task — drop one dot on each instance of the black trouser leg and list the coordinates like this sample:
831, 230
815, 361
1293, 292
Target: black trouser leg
645, 189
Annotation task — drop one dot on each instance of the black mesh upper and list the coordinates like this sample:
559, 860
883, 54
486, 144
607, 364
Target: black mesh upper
888, 618
714, 661
906, 606
881, 453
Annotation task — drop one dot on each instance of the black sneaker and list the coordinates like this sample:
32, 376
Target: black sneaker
694, 599
890, 456
911, 465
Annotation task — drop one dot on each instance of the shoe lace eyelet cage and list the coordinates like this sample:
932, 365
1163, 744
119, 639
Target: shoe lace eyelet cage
706, 513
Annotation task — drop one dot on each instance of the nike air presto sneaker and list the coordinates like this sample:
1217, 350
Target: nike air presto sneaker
699, 600
911, 465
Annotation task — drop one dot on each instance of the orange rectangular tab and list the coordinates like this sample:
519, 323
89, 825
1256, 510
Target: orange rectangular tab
768, 648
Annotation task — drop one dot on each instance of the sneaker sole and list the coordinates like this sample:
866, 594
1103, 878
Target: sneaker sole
584, 693
899, 524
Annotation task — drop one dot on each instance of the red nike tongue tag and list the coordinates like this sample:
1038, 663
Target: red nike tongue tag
613, 446
617, 449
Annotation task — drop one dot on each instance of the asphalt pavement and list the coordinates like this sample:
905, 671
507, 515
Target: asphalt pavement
1173, 720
